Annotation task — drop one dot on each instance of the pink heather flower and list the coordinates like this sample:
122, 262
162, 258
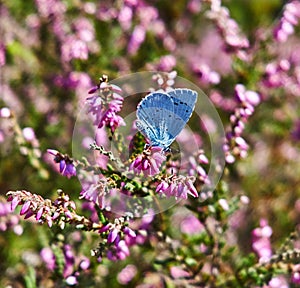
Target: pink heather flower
127, 274
261, 243
106, 104
228, 27
47, 8
206, 75
226, 104
8, 220
194, 6
69, 260
149, 162
120, 251
179, 272
111, 120
137, 38
167, 63
147, 15
95, 193
73, 48
197, 169
276, 74
296, 274
125, 17
84, 29
191, 225
277, 282
29, 134
177, 186
290, 18
5, 112
246, 97
48, 257
85, 263
234, 144
66, 166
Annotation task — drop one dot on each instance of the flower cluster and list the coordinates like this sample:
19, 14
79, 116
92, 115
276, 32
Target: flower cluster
206, 75
43, 210
177, 186
118, 249
195, 167
96, 193
290, 18
229, 29
283, 73
66, 164
73, 263
235, 145
146, 19
149, 162
8, 220
261, 243
105, 105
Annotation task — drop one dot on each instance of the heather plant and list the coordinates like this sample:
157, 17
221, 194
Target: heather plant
88, 200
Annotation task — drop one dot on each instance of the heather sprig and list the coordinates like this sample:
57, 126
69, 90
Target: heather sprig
128, 213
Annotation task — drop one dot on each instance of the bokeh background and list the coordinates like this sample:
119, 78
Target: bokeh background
52, 52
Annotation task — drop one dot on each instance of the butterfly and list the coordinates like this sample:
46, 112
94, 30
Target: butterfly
162, 115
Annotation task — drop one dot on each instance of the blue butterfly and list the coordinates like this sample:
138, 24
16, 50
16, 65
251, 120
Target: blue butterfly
162, 116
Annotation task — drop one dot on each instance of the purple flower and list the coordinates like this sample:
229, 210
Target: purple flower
149, 162
290, 18
167, 63
105, 105
235, 145
195, 167
177, 186
296, 274
8, 220
111, 120
66, 166
118, 252
69, 260
118, 249
278, 282
95, 193
179, 272
228, 28
84, 29
127, 274
48, 257
194, 6
125, 17
137, 38
261, 243
191, 225
206, 75
74, 48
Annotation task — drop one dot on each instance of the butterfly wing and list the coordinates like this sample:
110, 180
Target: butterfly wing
153, 114
184, 103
